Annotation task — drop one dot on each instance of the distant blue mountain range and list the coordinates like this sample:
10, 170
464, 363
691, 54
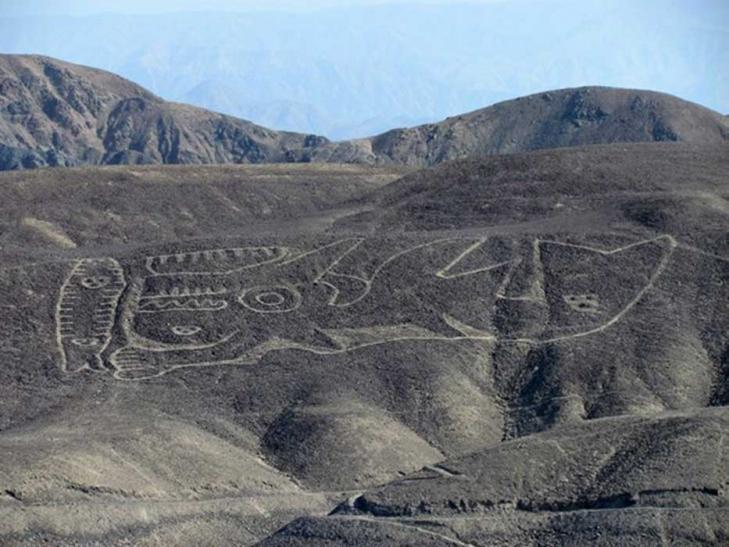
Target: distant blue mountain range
352, 72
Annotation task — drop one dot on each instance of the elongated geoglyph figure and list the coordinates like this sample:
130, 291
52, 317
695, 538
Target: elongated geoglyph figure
234, 306
86, 311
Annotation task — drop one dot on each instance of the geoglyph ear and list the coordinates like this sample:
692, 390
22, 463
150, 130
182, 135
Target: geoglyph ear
348, 289
446, 259
311, 267
646, 252
477, 256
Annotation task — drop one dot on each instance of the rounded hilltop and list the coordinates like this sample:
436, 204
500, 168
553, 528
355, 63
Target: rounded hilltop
54, 113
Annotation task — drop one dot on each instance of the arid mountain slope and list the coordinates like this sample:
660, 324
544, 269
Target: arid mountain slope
618, 482
55, 113
113, 205
548, 359
567, 117
653, 184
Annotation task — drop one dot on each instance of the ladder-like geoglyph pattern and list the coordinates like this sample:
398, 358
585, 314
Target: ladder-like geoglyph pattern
215, 260
85, 312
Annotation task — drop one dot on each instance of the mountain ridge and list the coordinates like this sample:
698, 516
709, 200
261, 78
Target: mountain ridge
54, 113
60, 114
552, 119
340, 61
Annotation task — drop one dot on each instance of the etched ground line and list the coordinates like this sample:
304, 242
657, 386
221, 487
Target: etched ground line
271, 254
371, 279
535, 292
651, 282
443, 472
399, 524
159, 365
85, 310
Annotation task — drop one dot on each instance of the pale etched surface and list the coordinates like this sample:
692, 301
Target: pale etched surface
85, 312
234, 306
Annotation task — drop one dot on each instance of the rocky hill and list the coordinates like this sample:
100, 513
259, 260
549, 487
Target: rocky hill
54, 113
58, 114
567, 117
630, 481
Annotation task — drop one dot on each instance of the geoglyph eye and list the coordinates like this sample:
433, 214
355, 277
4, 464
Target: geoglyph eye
270, 299
95, 281
583, 303
185, 330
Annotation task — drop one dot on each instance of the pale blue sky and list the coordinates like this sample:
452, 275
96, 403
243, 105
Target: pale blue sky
86, 7
358, 67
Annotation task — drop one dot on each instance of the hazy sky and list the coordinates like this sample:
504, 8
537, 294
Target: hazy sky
87, 7
337, 68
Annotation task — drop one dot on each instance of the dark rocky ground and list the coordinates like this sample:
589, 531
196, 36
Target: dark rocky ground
54, 113
518, 350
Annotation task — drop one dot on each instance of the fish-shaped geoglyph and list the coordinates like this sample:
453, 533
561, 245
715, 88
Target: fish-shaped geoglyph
232, 307
85, 312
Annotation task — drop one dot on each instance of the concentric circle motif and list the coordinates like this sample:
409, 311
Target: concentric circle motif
270, 299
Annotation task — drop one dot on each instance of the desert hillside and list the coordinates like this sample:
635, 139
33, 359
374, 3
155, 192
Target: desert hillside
507, 350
